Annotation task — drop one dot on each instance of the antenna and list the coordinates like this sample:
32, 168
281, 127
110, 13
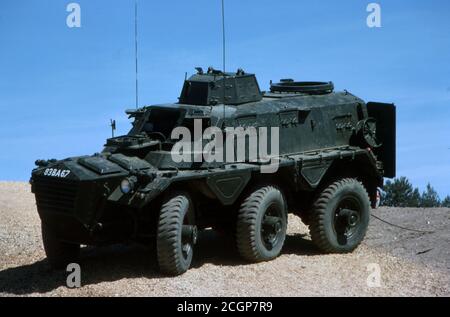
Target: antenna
223, 59
136, 49
113, 127
223, 36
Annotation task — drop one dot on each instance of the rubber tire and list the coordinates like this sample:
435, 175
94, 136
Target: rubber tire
248, 237
168, 241
59, 253
321, 223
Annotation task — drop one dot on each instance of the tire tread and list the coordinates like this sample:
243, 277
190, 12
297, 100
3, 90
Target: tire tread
167, 236
317, 221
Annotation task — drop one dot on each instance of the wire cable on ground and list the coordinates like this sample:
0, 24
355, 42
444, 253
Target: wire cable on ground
400, 227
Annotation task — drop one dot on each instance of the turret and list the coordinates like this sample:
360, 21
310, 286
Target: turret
207, 89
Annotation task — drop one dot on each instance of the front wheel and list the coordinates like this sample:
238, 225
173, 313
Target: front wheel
340, 217
59, 253
262, 225
176, 235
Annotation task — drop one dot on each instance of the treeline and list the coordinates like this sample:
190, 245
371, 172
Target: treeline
401, 193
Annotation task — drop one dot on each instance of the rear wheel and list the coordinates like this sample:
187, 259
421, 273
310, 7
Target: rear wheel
262, 224
177, 234
340, 217
59, 253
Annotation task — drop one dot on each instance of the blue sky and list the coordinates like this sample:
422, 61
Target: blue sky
59, 86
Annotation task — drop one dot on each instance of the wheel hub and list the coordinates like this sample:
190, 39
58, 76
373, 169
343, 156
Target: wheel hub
272, 226
351, 217
189, 234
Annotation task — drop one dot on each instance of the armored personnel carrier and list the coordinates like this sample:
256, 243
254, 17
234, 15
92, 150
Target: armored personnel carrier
329, 152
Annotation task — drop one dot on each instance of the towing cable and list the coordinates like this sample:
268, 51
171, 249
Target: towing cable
400, 227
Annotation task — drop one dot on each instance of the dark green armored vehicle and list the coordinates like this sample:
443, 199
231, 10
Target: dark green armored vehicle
229, 157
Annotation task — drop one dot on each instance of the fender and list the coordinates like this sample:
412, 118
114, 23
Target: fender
311, 169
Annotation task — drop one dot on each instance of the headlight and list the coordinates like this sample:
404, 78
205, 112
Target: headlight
127, 186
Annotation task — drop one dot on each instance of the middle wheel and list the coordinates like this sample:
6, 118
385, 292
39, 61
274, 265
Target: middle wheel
262, 225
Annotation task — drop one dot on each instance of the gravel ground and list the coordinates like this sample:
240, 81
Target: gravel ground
411, 263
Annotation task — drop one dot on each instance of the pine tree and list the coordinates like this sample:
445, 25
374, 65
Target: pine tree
415, 199
430, 198
400, 193
446, 202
